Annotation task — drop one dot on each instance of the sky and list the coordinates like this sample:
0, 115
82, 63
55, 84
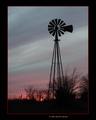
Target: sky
30, 45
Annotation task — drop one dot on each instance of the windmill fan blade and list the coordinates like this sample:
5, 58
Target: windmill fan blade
50, 29
62, 31
59, 33
58, 21
50, 26
50, 23
53, 21
53, 33
62, 24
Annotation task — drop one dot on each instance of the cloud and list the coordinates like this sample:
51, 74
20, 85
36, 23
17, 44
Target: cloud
38, 54
26, 24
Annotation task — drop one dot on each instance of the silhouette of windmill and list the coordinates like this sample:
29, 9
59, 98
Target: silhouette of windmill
57, 27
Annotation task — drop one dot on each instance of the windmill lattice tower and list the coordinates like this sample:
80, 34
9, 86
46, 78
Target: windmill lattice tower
57, 27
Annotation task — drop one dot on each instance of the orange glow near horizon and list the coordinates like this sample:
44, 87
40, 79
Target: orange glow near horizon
38, 97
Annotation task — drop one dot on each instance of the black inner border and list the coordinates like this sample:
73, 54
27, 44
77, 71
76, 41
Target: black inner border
4, 47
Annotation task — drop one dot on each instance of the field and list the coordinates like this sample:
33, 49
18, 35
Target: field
30, 106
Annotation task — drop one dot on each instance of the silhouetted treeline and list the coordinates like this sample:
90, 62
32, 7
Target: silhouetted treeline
72, 97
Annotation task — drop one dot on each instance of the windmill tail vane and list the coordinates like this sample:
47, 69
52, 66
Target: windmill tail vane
56, 28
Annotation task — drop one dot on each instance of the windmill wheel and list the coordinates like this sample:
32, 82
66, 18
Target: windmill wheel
56, 26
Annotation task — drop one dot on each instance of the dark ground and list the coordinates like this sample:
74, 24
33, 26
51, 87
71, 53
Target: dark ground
30, 106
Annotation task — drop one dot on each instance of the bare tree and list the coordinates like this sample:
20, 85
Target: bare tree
30, 92
71, 86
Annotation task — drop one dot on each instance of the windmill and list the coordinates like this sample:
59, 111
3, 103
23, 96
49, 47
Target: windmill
56, 28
